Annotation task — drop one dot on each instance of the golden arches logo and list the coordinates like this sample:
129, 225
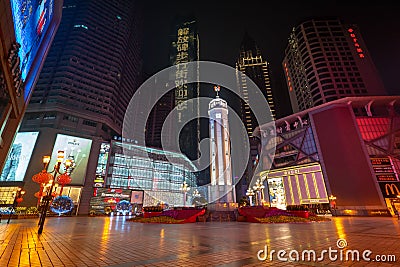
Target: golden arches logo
392, 188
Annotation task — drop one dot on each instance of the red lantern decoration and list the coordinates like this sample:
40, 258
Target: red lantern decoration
63, 179
42, 177
38, 194
19, 200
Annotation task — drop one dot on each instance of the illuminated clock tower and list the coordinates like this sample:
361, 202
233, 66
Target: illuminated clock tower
221, 187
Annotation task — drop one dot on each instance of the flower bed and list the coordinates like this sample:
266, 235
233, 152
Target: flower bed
156, 219
185, 215
275, 215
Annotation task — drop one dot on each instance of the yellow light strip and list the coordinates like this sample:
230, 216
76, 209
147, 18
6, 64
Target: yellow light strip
298, 188
291, 189
306, 183
315, 185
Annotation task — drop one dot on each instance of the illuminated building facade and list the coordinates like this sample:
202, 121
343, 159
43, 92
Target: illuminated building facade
251, 64
348, 149
326, 60
91, 72
184, 49
221, 189
159, 173
27, 30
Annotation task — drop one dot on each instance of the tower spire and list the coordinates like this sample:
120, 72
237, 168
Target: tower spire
217, 88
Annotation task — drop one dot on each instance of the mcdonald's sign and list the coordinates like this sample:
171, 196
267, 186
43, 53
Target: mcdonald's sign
390, 190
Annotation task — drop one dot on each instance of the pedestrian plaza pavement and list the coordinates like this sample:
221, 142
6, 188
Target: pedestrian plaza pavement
116, 242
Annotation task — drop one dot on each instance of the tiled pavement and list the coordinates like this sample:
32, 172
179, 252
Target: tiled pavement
112, 241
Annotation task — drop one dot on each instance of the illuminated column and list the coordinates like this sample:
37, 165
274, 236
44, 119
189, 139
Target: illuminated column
221, 188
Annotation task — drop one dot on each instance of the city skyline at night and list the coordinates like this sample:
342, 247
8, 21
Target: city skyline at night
222, 26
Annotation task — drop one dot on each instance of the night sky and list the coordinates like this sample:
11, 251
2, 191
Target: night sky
222, 25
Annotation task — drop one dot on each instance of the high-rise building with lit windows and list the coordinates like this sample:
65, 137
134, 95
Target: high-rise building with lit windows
251, 64
326, 60
92, 69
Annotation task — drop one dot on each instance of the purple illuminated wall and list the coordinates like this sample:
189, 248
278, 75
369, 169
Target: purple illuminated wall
347, 166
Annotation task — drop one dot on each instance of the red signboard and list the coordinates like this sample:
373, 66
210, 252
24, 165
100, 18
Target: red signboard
381, 161
386, 177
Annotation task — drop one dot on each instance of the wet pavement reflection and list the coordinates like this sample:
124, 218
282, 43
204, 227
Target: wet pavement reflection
113, 241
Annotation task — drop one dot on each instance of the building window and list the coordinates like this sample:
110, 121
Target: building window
89, 123
70, 118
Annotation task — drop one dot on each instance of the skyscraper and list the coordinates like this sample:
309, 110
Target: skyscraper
251, 63
92, 69
326, 60
87, 81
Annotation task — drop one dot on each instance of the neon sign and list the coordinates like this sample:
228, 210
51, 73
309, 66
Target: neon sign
353, 36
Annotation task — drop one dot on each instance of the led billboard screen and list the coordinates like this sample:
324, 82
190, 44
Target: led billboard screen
102, 165
19, 157
78, 150
31, 22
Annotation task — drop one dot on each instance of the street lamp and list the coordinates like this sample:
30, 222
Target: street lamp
332, 201
185, 188
250, 194
196, 193
56, 170
17, 199
259, 188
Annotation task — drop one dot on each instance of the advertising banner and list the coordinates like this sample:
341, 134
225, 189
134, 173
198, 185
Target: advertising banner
102, 165
107, 200
31, 21
277, 193
19, 157
137, 196
76, 149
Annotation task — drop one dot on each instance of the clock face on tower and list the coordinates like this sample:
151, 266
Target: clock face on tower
218, 115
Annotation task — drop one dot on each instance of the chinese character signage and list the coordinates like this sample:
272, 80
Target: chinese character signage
383, 169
